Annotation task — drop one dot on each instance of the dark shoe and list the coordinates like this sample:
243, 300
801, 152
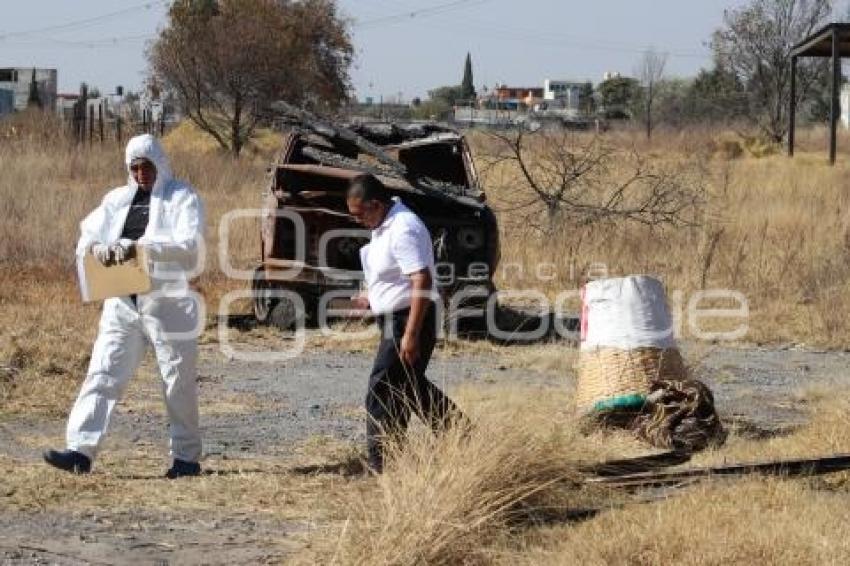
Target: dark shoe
68, 460
182, 468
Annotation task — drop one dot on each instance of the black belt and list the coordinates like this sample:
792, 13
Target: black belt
382, 317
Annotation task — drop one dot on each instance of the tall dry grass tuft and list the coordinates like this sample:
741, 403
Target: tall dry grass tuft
447, 499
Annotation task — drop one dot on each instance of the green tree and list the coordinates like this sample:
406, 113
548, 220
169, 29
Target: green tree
440, 102
616, 97
467, 86
226, 61
432, 110
716, 95
586, 102
446, 94
671, 106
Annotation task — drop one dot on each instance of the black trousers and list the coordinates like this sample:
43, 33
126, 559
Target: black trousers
397, 389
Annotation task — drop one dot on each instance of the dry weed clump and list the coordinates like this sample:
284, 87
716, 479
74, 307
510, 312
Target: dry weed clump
446, 499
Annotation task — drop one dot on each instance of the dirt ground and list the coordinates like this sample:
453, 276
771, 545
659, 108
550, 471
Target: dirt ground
278, 435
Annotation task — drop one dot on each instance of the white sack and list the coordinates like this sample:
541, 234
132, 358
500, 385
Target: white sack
627, 312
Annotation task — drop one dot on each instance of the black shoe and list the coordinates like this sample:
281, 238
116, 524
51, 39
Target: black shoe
68, 460
182, 468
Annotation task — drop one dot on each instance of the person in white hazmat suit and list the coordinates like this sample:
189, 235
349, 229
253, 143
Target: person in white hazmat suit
165, 216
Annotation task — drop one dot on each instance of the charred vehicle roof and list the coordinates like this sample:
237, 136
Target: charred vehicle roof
310, 244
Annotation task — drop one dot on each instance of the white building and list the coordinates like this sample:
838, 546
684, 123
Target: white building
17, 81
844, 104
568, 93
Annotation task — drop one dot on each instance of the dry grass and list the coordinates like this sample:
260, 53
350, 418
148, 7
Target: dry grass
45, 342
754, 521
746, 521
828, 432
505, 493
448, 499
484, 499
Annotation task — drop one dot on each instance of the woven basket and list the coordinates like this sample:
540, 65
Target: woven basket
612, 378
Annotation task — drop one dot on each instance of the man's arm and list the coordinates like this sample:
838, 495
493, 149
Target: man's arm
92, 228
420, 298
184, 242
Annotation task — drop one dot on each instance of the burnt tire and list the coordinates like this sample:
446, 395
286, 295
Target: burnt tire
468, 326
285, 315
278, 311
263, 302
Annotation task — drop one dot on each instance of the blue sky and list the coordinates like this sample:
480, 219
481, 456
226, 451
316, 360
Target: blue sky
403, 46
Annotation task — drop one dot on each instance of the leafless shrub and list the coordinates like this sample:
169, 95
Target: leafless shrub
651, 72
584, 181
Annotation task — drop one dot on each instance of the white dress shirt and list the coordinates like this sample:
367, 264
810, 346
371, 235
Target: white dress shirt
400, 245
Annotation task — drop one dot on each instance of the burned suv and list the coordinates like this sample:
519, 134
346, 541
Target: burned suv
310, 244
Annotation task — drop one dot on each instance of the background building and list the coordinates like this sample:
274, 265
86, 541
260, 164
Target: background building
568, 93
517, 93
7, 101
17, 81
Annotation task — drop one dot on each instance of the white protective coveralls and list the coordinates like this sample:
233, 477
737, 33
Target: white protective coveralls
167, 318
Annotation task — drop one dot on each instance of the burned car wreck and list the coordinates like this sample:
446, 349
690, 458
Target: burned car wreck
310, 244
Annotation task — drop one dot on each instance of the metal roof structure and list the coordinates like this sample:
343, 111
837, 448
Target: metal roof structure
819, 44
832, 40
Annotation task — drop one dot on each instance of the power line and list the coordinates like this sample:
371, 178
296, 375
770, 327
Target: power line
76, 24
524, 35
101, 42
562, 40
82, 43
486, 28
438, 9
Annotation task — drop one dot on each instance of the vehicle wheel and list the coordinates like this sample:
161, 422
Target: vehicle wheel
469, 326
285, 316
264, 303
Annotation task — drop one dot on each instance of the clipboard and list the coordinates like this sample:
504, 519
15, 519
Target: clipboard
98, 281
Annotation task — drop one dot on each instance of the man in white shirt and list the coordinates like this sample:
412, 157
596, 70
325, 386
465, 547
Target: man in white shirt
398, 264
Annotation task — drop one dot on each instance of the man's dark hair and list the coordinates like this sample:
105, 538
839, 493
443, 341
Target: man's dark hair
367, 187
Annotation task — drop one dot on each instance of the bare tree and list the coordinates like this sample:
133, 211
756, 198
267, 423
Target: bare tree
227, 60
650, 72
565, 179
755, 43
